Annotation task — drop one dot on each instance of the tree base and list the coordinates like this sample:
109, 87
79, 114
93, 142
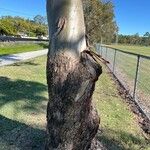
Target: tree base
97, 145
72, 121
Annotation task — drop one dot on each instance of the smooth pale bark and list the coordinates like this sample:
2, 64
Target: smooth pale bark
72, 121
67, 30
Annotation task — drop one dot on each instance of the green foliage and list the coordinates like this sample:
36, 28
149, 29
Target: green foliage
6, 27
40, 31
147, 34
99, 19
20, 26
135, 39
40, 19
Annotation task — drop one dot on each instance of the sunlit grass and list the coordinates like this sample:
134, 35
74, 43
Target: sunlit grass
23, 99
120, 130
13, 48
143, 50
125, 69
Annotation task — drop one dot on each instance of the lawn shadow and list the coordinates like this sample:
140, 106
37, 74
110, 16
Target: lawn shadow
10, 57
16, 135
44, 45
123, 141
30, 62
28, 93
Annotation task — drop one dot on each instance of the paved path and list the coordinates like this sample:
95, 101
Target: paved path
10, 59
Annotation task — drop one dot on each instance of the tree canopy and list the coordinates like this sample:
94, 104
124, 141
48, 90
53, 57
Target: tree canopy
100, 20
40, 19
135, 39
17, 25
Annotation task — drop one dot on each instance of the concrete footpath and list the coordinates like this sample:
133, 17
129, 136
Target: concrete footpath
13, 58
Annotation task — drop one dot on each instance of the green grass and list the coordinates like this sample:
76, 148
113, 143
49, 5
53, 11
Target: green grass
23, 99
13, 48
120, 130
125, 70
143, 50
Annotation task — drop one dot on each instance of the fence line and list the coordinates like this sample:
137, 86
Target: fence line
133, 72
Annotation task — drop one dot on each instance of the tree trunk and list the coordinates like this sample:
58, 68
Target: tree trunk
72, 121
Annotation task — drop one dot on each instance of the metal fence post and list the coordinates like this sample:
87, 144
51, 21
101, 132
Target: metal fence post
114, 61
136, 77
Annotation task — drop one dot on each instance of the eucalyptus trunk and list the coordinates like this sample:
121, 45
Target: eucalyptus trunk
72, 121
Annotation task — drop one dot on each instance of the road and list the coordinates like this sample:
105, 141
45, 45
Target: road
13, 58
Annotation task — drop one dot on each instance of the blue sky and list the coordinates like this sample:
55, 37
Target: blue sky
24, 8
132, 16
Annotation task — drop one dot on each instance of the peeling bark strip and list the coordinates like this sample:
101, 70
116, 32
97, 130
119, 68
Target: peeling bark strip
61, 24
72, 121
96, 56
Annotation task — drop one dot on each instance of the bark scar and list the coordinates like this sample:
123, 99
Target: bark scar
60, 25
96, 56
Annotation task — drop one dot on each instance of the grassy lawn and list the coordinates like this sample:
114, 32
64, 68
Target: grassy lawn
125, 70
143, 50
13, 48
23, 99
120, 130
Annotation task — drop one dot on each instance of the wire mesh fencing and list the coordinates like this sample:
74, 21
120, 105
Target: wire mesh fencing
132, 71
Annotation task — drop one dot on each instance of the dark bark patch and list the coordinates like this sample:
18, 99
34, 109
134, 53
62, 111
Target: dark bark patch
72, 120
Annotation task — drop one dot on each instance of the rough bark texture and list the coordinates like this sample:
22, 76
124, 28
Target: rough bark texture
72, 121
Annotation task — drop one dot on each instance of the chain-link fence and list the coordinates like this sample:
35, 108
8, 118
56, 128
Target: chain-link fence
132, 71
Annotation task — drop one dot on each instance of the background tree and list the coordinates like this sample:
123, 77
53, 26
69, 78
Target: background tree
17, 25
135, 39
40, 19
99, 18
40, 31
147, 34
72, 121
6, 27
